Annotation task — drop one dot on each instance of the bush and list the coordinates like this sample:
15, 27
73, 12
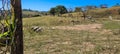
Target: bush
58, 10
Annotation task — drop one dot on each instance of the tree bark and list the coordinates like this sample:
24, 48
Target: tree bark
17, 46
84, 15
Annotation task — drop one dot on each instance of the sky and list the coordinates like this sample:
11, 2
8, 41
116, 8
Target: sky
45, 5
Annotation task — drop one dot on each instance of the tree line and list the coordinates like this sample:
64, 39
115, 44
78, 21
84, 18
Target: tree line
60, 9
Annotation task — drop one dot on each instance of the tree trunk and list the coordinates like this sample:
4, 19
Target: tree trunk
84, 15
17, 46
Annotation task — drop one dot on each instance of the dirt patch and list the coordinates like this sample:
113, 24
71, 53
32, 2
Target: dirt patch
104, 31
88, 27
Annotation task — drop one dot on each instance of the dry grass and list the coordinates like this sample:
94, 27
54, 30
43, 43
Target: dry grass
57, 41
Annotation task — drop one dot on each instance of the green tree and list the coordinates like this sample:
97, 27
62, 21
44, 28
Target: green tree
52, 11
60, 9
78, 9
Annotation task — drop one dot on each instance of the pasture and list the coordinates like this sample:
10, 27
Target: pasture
61, 35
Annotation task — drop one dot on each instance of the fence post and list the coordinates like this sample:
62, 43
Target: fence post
17, 47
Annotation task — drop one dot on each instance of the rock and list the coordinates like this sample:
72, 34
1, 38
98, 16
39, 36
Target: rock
36, 28
110, 17
53, 28
39, 29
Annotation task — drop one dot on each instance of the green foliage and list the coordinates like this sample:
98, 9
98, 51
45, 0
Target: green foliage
10, 26
58, 10
4, 34
61, 9
9, 33
78, 9
52, 11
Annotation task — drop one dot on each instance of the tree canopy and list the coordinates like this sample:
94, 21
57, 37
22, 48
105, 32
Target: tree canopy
78, 9
60, 9
52, 11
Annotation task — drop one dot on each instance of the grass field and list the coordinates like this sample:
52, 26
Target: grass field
105, 40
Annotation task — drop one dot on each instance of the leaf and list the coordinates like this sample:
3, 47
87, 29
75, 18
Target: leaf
7, 23
4, 34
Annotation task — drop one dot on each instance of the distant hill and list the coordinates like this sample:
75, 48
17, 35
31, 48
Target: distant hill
98, 13
32, 13
105, 12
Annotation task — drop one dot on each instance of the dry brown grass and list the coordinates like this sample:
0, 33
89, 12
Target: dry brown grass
60, 41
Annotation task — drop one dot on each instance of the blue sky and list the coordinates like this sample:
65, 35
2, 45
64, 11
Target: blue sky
45, 5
